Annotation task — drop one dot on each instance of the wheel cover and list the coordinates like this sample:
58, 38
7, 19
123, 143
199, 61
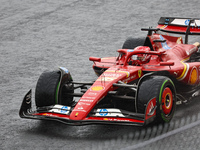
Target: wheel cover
167, 101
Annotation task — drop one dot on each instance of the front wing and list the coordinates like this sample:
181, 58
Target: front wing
62, 114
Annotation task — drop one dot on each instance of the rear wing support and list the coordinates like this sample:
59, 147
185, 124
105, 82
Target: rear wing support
188, 30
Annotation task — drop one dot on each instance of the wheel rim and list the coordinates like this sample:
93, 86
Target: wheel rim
167, 101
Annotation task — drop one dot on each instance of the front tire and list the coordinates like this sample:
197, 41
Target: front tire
49, 91
163, 89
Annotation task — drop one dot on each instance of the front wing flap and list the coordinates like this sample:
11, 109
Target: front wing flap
62, 114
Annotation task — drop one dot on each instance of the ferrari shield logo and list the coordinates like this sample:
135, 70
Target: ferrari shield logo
139, 73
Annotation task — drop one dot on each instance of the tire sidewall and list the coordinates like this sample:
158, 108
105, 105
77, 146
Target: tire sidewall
151, 87
46, 88
161, 117
132, 43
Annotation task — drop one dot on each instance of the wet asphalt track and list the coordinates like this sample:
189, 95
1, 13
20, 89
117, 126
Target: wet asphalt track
42, 35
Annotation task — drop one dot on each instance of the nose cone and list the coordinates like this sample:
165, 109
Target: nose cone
100, 89
83, 107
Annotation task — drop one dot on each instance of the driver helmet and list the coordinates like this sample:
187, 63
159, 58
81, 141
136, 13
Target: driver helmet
139, 59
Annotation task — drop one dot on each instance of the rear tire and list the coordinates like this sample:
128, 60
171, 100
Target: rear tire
132, 43
47, 89
163, 89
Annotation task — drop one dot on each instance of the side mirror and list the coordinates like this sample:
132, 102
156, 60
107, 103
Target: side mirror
95, 59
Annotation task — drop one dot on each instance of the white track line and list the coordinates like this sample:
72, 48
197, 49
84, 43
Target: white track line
160, 137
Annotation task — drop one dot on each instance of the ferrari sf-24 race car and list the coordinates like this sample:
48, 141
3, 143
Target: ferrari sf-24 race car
142, 85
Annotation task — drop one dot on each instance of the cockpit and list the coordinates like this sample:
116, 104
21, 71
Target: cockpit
135, 57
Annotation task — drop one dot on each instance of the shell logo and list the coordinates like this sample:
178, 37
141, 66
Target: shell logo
193, 76
97, 88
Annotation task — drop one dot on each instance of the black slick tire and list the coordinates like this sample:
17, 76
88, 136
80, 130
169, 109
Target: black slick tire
161, 88
50, 92
46, 88
132, 43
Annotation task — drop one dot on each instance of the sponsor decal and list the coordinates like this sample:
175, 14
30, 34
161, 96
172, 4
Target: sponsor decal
86, 100
103, 112
92, 94
139, 73
180, 21
64, 109
126, 72
114, 119
149, 109
76, 114
83, 103
164, 44
187, 22
60, 109
46, 114
87, 97
113, 75
102, 78
110, 119
80, 108
118, 71
109, 112
163, 27
97, 88
151, 106
130, 50
128, 79
193, 76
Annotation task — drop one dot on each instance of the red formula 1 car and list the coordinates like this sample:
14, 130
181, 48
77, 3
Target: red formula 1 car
143, 84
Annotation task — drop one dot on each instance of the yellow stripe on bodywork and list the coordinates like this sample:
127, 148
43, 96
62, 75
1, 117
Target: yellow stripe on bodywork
185, 70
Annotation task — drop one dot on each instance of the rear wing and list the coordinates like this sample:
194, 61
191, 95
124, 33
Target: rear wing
187, 26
